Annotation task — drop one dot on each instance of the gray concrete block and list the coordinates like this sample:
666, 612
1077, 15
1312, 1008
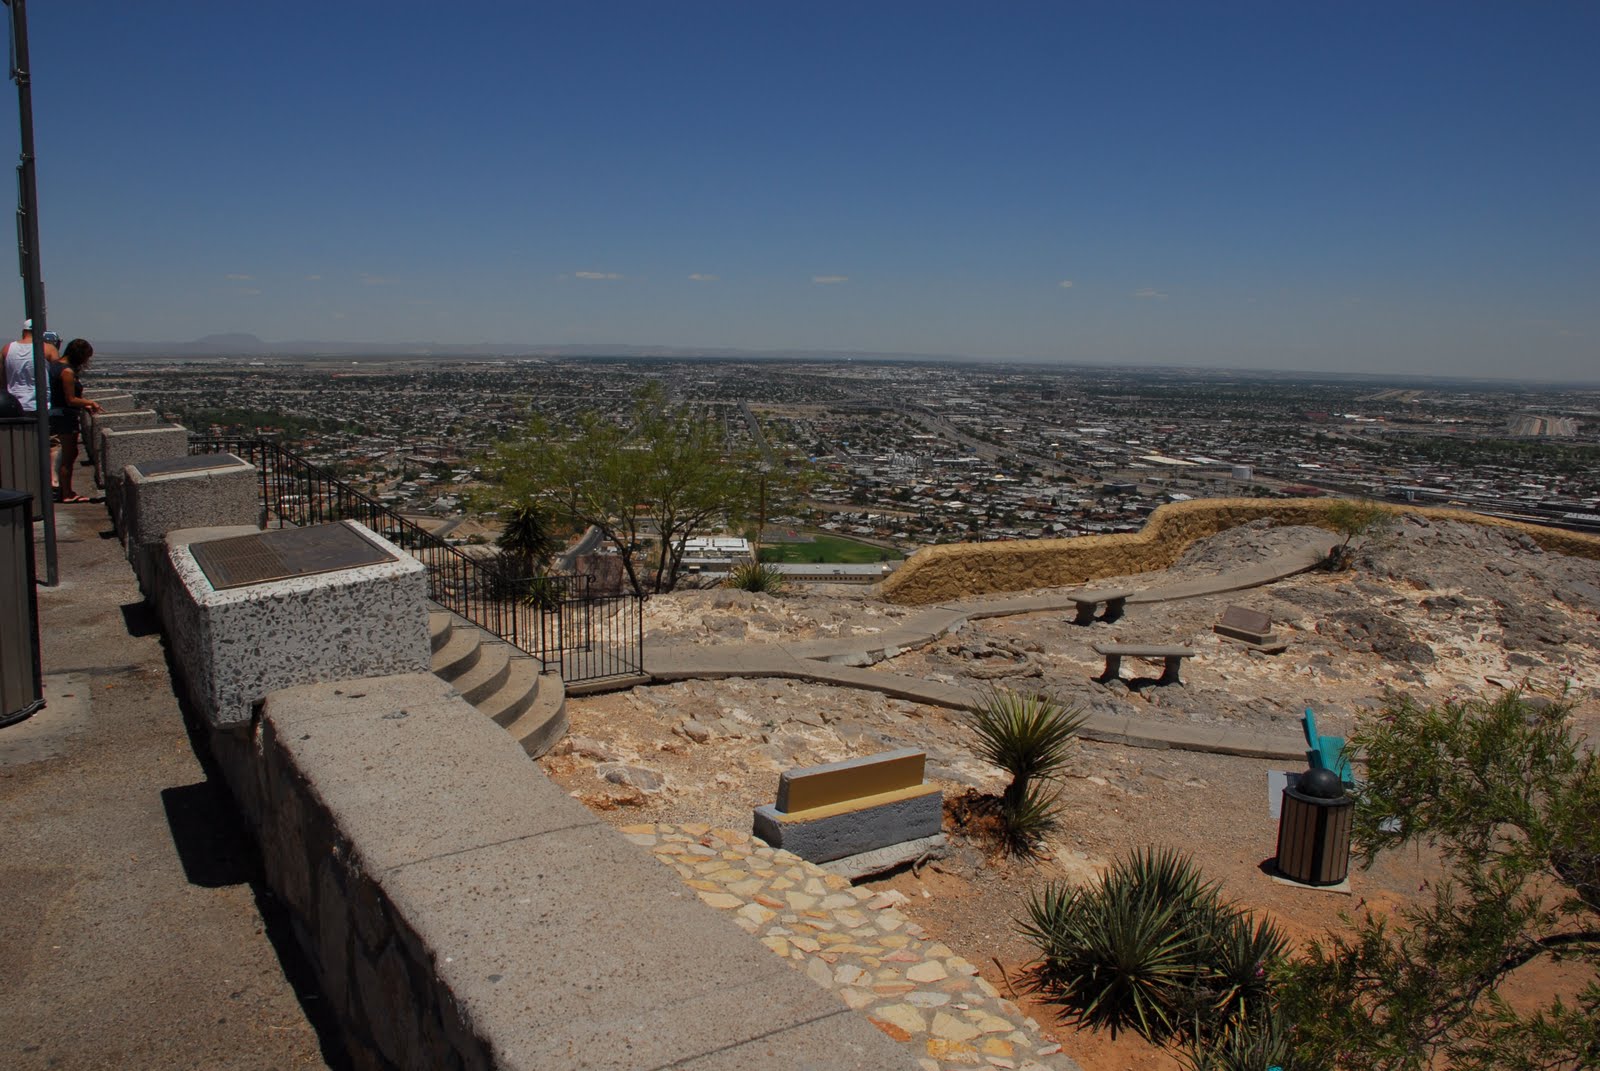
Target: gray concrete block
129, 446
412, 798
235, 646
121, 420
601, 958
822, 839
156, 505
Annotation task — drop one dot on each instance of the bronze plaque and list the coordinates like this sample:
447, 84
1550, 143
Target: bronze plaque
192, 463
283, 553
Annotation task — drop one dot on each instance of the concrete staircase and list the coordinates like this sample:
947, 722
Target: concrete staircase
501, 681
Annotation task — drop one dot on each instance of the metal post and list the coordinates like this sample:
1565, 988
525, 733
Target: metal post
32, 279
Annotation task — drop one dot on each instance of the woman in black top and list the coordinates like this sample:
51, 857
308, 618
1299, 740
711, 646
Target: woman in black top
67, 403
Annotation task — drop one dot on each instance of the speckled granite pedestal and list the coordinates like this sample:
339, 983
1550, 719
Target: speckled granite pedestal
158, 497
234, 645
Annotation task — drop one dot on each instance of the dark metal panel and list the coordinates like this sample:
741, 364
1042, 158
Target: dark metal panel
282, 553
192, 463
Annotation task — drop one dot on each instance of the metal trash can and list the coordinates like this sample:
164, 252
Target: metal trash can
21, 676
19, 458
1314, 830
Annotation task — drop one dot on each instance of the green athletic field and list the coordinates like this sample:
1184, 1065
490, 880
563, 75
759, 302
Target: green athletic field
829, 550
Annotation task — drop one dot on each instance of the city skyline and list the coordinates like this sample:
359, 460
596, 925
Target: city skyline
1366, 190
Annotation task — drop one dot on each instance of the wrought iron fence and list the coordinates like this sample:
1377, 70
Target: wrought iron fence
558, 619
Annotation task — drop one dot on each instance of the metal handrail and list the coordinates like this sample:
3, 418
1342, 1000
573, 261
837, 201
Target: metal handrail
557, 618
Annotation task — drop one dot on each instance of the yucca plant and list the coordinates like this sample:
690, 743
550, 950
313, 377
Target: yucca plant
1028, 736
1250, 1043
1112, 957
1153, 948
1026, 821
756, 576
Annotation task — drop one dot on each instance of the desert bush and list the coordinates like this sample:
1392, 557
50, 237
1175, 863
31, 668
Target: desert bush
1154, 948
756, 576
1028, 736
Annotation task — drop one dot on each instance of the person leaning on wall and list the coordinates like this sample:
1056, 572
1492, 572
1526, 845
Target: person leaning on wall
67, 405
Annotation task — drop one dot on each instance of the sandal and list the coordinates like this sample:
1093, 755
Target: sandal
74, 498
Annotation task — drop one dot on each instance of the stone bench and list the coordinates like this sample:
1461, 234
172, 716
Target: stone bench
855, 808
1171, 658
1089, 599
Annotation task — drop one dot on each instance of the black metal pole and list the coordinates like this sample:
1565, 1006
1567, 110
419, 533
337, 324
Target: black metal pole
32, 279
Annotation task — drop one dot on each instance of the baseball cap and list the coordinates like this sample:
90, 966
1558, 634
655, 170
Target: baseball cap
27, 325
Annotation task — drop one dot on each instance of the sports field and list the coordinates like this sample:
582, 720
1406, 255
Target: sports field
828, 550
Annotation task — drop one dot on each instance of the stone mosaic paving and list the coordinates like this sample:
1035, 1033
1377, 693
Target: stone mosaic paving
857, 943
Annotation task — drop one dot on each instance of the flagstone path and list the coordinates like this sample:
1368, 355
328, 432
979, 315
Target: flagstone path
856, 942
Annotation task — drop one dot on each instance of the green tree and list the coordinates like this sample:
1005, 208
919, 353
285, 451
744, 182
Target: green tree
1359, 521
658, 478
526, 541
1512, 803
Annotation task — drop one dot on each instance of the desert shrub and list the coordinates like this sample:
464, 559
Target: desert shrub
756, 576
1154, 948
1028, 736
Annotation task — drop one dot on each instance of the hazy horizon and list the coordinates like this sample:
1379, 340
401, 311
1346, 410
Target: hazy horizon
1367, 188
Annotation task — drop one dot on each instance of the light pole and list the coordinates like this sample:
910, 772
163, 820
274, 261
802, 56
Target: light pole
32, 280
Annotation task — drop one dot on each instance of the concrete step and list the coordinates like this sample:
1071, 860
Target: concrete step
516, 694
440, 622
459, 653
545, 720
487, 674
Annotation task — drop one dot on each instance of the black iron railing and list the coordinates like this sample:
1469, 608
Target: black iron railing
558, 619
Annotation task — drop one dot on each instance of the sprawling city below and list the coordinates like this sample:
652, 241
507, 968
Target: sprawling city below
908, 454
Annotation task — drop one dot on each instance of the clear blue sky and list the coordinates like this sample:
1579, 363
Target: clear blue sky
1385, 187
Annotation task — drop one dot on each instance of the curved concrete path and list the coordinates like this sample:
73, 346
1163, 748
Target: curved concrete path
840, 662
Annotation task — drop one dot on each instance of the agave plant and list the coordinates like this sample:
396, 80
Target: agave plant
1154, 948
1112, 957
756, 576
1251, 1043
1028, 736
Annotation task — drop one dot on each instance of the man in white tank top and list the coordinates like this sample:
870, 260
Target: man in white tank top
19, 367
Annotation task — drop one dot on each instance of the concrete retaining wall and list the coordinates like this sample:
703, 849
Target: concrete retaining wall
464, 912
961, 570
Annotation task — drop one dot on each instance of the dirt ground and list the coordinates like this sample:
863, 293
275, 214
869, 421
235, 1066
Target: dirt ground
1433, 611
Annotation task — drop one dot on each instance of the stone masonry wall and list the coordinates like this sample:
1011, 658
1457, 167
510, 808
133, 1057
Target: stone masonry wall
962, 570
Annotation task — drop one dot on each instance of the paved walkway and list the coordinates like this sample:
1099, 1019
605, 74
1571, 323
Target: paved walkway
135, 931
857, 943
841, 662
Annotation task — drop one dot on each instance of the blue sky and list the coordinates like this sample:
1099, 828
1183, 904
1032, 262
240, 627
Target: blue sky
1384, 187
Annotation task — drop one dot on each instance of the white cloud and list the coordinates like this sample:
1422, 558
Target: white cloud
238, 277
375, 280
246, 290
701, 277
1150, 293
1066, 284
829, 280
607, 275
313, 278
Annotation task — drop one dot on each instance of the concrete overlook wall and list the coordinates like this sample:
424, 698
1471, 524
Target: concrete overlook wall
961, 570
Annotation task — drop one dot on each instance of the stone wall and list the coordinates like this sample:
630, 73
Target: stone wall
463, 912
962, 570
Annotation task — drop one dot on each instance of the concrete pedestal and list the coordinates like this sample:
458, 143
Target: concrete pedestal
156, 502
119, 449
100, 423
233, 646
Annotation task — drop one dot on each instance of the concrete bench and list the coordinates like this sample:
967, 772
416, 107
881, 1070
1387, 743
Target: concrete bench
853, 808
1171, 658
1089, 599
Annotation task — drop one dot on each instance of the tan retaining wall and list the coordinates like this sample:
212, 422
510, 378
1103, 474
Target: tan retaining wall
961, 570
